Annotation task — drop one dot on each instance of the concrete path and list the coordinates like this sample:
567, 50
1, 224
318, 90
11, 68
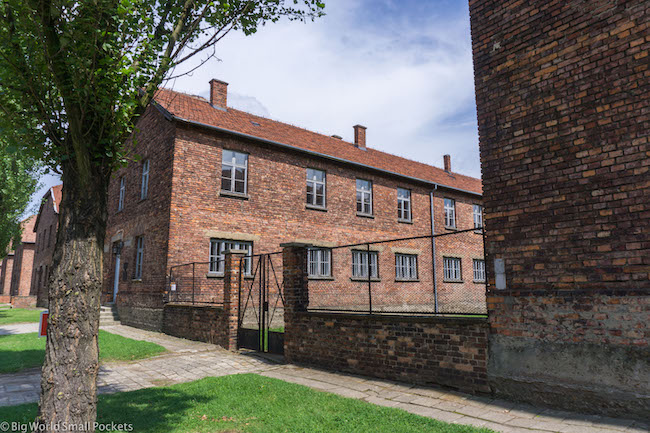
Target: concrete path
18, 328
189, 360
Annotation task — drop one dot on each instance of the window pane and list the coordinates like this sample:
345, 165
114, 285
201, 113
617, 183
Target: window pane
240, 174
228, 156
320, 200
240, 158
240, 186
226, 185
320, 189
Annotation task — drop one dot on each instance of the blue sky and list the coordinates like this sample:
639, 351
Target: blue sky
402, 68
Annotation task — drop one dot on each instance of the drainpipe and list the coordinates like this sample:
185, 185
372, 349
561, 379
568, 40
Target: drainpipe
433, 251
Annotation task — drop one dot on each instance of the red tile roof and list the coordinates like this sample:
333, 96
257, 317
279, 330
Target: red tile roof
197, 109
57, 192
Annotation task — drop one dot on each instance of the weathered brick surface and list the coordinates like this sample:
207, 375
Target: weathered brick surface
202, 323
564, 113
46, 229
140, 302
424, 350
5, 277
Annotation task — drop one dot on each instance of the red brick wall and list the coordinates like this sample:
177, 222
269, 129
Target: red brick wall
5, 276
48, 224
443, 351
201, 323
563, 109
140, 302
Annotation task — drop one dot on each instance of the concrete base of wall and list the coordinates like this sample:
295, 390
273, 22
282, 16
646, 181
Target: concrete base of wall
141, 317
586, 377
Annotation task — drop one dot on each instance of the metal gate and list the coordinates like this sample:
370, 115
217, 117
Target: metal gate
261, 304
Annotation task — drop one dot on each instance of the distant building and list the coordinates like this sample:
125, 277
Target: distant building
46, 226
16, 269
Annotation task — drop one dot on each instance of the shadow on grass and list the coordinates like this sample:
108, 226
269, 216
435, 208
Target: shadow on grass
12, 361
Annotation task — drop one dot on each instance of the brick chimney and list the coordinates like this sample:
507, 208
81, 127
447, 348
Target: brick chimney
360, 136
218, 94
447, 159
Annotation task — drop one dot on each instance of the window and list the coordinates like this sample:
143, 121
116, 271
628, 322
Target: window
451, 269
479, 270
139, 255
360, 264
364, 197
145, 180
406, 267
478, 216
315, 187
450, 213
403, 204
218, 248
234, 172
319, 262
120, 203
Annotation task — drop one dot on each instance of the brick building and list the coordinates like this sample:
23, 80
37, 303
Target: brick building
46, 226
212, 177
16, 269
563, 96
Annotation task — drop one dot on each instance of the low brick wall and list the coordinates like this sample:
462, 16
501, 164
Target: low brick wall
424, 350
23, 301
196, 322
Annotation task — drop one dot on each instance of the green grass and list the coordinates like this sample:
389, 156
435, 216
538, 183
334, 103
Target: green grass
20, 351
19, 315
248, 403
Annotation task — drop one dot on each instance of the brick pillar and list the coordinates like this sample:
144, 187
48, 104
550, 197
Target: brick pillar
294, 269
233, 269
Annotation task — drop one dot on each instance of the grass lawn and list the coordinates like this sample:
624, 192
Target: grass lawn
248, 403
21, 351
19, 315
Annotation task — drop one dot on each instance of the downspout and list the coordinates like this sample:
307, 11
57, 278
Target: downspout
433, 250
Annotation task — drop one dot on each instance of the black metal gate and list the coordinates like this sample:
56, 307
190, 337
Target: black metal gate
261, 304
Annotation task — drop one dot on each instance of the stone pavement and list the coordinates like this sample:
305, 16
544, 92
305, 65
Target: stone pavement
190, 360
18, 328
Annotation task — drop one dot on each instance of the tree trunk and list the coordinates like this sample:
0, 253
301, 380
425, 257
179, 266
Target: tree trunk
69, 374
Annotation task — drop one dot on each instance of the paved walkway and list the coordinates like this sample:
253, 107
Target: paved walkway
18, 328
189, 360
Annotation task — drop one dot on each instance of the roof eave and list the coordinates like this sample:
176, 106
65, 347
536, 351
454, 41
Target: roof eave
311, 152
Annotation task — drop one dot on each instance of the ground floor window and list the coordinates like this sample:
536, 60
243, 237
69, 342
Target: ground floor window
479, 270
139, 257
319, 262
362, 261
406, 267
451, 269
218, 247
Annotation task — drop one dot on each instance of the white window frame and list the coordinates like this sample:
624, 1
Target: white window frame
364, 197
314, 183
232, 167
452, 269
144, 188
360, 264
319, 262
450, 212
406, 267
139, 257
217, 256
478, 266
120, 203
404, 205
478, 216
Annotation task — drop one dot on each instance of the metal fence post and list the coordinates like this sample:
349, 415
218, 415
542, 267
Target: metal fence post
368, 261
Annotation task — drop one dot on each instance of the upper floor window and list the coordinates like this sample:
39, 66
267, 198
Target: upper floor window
120, 203
139, 257
319, 262
451, 269
364, 197
145, 180
478, 216
403, 204
361, 261
479, 270
234, 172
218, 248
406, 267
450, 213
315, 187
